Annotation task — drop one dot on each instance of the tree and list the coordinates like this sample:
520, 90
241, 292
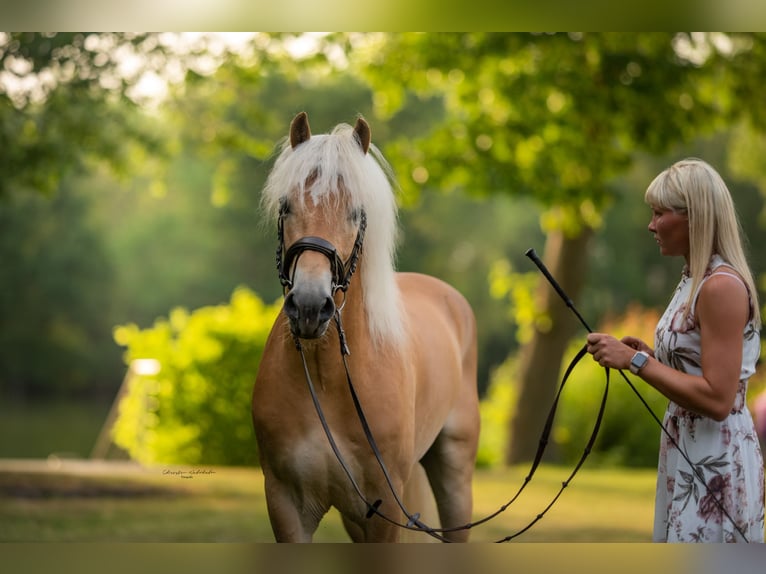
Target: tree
54, 296
69, 105
57, 114
63, 102
557, 117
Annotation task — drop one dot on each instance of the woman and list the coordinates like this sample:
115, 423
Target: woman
706, 347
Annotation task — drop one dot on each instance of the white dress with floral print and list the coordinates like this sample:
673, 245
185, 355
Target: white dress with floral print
727, 453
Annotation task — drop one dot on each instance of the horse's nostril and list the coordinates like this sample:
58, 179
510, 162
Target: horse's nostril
291, 309
327, 310
308, 310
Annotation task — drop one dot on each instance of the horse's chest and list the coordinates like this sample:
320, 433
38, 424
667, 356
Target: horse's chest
309, 455
311, 460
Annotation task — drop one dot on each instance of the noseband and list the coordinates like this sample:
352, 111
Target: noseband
341, 270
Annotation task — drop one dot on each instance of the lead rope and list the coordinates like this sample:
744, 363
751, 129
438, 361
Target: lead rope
546, 433
538, 457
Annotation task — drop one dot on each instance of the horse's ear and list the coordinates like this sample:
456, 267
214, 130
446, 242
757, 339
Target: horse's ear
299, 129
362, 132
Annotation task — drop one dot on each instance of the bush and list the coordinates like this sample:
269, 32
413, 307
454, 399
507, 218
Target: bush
495, 410
629, 436
196, 409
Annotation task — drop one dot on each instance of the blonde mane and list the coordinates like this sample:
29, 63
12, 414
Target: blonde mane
334, 163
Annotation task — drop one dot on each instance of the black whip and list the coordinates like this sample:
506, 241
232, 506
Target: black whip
541, 266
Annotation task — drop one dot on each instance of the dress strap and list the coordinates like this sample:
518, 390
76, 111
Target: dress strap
729, 274
737, 277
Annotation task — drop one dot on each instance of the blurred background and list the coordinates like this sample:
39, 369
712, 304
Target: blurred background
137, 276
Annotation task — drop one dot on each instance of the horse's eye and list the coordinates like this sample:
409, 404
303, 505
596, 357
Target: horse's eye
284, 207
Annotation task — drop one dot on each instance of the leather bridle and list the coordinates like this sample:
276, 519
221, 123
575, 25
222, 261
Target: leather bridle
342, 271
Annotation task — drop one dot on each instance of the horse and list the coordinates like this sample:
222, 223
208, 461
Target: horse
411, 353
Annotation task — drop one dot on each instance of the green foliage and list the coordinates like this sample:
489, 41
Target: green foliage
196, 409
57, 114
555, 116
495, 409
628, 436
55, 315
518, 289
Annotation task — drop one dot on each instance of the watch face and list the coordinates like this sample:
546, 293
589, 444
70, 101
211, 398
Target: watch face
639, 360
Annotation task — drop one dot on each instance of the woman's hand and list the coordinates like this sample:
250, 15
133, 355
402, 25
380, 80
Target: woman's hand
609, 352
638, 345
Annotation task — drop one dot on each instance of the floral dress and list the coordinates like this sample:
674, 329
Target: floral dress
726, 454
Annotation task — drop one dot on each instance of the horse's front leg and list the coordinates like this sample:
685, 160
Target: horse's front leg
291, 520
360, 523
360, 528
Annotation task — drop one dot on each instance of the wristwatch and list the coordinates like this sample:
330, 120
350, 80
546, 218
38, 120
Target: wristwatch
638, 361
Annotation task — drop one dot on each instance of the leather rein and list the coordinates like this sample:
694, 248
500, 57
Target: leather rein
342, 273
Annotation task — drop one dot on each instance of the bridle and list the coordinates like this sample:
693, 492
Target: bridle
341, 270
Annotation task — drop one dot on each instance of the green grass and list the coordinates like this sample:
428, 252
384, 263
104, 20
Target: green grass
119, 503
83, 502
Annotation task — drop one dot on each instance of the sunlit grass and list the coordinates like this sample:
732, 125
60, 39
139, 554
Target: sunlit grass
611, 505
108, 504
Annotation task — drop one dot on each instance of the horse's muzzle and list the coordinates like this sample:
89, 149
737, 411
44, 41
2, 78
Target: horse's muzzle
309, 313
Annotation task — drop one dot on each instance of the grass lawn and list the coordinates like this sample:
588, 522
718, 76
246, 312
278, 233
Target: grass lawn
80, 501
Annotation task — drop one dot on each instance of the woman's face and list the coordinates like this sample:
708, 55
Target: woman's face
671, 231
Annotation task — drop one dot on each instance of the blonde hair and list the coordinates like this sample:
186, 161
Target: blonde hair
693, 187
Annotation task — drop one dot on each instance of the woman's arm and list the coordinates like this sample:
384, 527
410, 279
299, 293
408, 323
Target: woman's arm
723, 309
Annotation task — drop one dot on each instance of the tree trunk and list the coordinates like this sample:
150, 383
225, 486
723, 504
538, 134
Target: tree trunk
540, 364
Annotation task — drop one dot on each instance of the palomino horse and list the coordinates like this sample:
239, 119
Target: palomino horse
412, 342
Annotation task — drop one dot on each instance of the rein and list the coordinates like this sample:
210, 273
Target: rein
342, 273
372, 507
